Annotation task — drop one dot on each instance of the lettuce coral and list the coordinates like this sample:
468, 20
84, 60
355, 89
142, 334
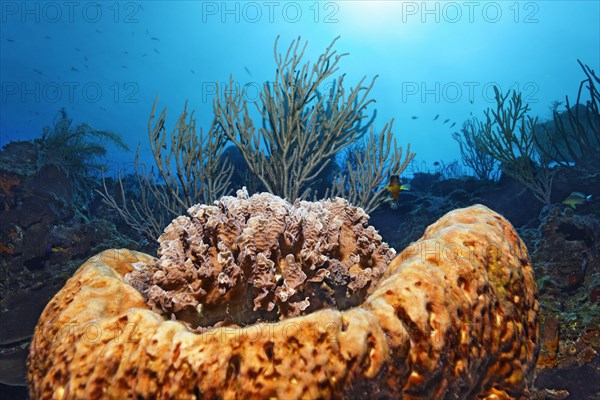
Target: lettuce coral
454, 315
248, 259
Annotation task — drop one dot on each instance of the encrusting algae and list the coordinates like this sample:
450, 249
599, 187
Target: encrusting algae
455, 315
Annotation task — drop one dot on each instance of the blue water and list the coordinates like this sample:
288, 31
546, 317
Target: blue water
106, 62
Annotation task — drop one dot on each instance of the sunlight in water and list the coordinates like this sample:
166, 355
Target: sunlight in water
385, 18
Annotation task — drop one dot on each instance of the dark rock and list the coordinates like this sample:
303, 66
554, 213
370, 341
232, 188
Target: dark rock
460, 196
21, 311
20, 158
581, 382
13, 392
511, 199
568, 180
13, 365
423, 181
52, 181
466, 184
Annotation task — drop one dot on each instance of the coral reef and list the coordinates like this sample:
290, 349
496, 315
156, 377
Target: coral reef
40, 226
77, 151
566, 256
262, 258
43, 240
453, 316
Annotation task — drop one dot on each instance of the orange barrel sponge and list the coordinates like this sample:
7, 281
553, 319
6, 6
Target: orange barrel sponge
256, 298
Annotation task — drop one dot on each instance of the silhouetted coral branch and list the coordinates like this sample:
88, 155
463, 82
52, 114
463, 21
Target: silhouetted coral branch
190, 164
78, 152
361, 181
473, 152
576, 140
190, 161
302, 129
507, 135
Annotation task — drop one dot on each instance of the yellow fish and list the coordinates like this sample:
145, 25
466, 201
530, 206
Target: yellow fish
55, 249
395, 186
576, 198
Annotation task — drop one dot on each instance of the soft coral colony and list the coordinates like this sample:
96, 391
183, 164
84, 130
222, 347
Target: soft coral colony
261, 297
305, 123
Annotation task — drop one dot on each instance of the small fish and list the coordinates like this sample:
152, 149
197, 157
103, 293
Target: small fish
576, 198
192, 71
77, 49
156, 51
144, 55
10, 40
452, 126
55, 249
37, 71
414, 117
447, 120
395, 186
155, 38
98, 31
126, 52
124, 66
247, 71
102, 108
436, 117
48, 37
85, 58
436, 163
74, 69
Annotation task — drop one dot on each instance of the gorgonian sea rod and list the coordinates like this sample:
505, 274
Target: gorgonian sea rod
258, 298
